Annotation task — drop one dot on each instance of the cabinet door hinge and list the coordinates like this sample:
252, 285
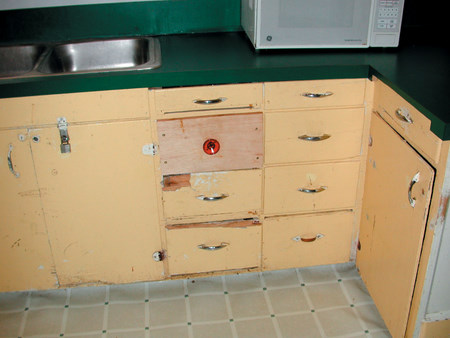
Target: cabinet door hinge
64, 135
150, 149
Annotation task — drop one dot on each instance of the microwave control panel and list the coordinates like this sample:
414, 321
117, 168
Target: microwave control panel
386, 23
388, 15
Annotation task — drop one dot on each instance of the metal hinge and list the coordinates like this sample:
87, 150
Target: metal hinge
150, 149
64, 135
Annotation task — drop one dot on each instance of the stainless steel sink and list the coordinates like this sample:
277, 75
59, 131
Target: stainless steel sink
103, 55
19, 60
93, 56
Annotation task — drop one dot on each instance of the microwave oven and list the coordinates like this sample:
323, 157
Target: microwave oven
322, 23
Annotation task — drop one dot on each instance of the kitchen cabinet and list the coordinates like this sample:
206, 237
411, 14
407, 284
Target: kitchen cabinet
289, 177
395, 210
91, 213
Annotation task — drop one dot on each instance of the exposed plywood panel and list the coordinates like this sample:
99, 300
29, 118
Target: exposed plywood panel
237, 143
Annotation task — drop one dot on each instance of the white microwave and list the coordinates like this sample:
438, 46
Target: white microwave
322, 23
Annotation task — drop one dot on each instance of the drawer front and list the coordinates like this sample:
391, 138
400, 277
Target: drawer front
91, 106
214, 193
314, 94
241, 97
211, 143
311, 187
407, 120
302, 136
315, 239
197, 249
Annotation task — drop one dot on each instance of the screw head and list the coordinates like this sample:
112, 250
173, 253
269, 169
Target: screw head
269, 38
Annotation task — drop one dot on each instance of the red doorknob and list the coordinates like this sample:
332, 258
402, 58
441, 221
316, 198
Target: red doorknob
211, 146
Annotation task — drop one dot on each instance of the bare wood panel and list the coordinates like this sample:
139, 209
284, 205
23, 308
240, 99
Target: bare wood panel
313, 94
392, 230
230, 248
216, 193
304, 136
325, 186
90, 106
314, 239
240, 97
25, 256
181, 143
100, 203
392, 107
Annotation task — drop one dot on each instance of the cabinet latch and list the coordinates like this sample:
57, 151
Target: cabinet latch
150, 149
64, 135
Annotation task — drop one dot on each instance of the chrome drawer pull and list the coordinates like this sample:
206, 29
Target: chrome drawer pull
212, 101
213, 247
10, 164
312, 190
308, 239
403, 115
415, 179
317, 95
314, 138
212, 198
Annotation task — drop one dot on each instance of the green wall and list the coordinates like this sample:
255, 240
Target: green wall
160, 17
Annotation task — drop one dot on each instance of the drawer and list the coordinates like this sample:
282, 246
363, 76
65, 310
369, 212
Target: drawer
75, 107
311, 187
217, 193
211, 143
91, 106
302, 136
314, 239
238, 97
314, 94
213, 246
407, 120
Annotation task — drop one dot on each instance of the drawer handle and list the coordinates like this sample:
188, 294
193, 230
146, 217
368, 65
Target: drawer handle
308, 239
211, 101
213, 247
212, 198
314, 138
403, 115
415, 179
312, 190
10, 164
317, 95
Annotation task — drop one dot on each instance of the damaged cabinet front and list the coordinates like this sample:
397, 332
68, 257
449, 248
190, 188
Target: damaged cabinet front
83, 194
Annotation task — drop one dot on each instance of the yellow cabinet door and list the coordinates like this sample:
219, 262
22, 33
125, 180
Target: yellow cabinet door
100, 202
397, 193
25, 256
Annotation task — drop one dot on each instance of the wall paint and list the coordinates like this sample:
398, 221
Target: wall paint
158, 17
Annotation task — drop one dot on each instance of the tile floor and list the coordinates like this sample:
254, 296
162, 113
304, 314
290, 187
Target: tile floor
326, 301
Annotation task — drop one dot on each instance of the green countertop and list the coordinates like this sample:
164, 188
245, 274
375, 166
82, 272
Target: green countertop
417, 72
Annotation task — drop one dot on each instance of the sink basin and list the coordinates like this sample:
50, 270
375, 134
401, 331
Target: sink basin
19, 60
102, 55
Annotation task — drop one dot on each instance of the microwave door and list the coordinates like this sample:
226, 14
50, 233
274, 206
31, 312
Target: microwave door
314, 23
